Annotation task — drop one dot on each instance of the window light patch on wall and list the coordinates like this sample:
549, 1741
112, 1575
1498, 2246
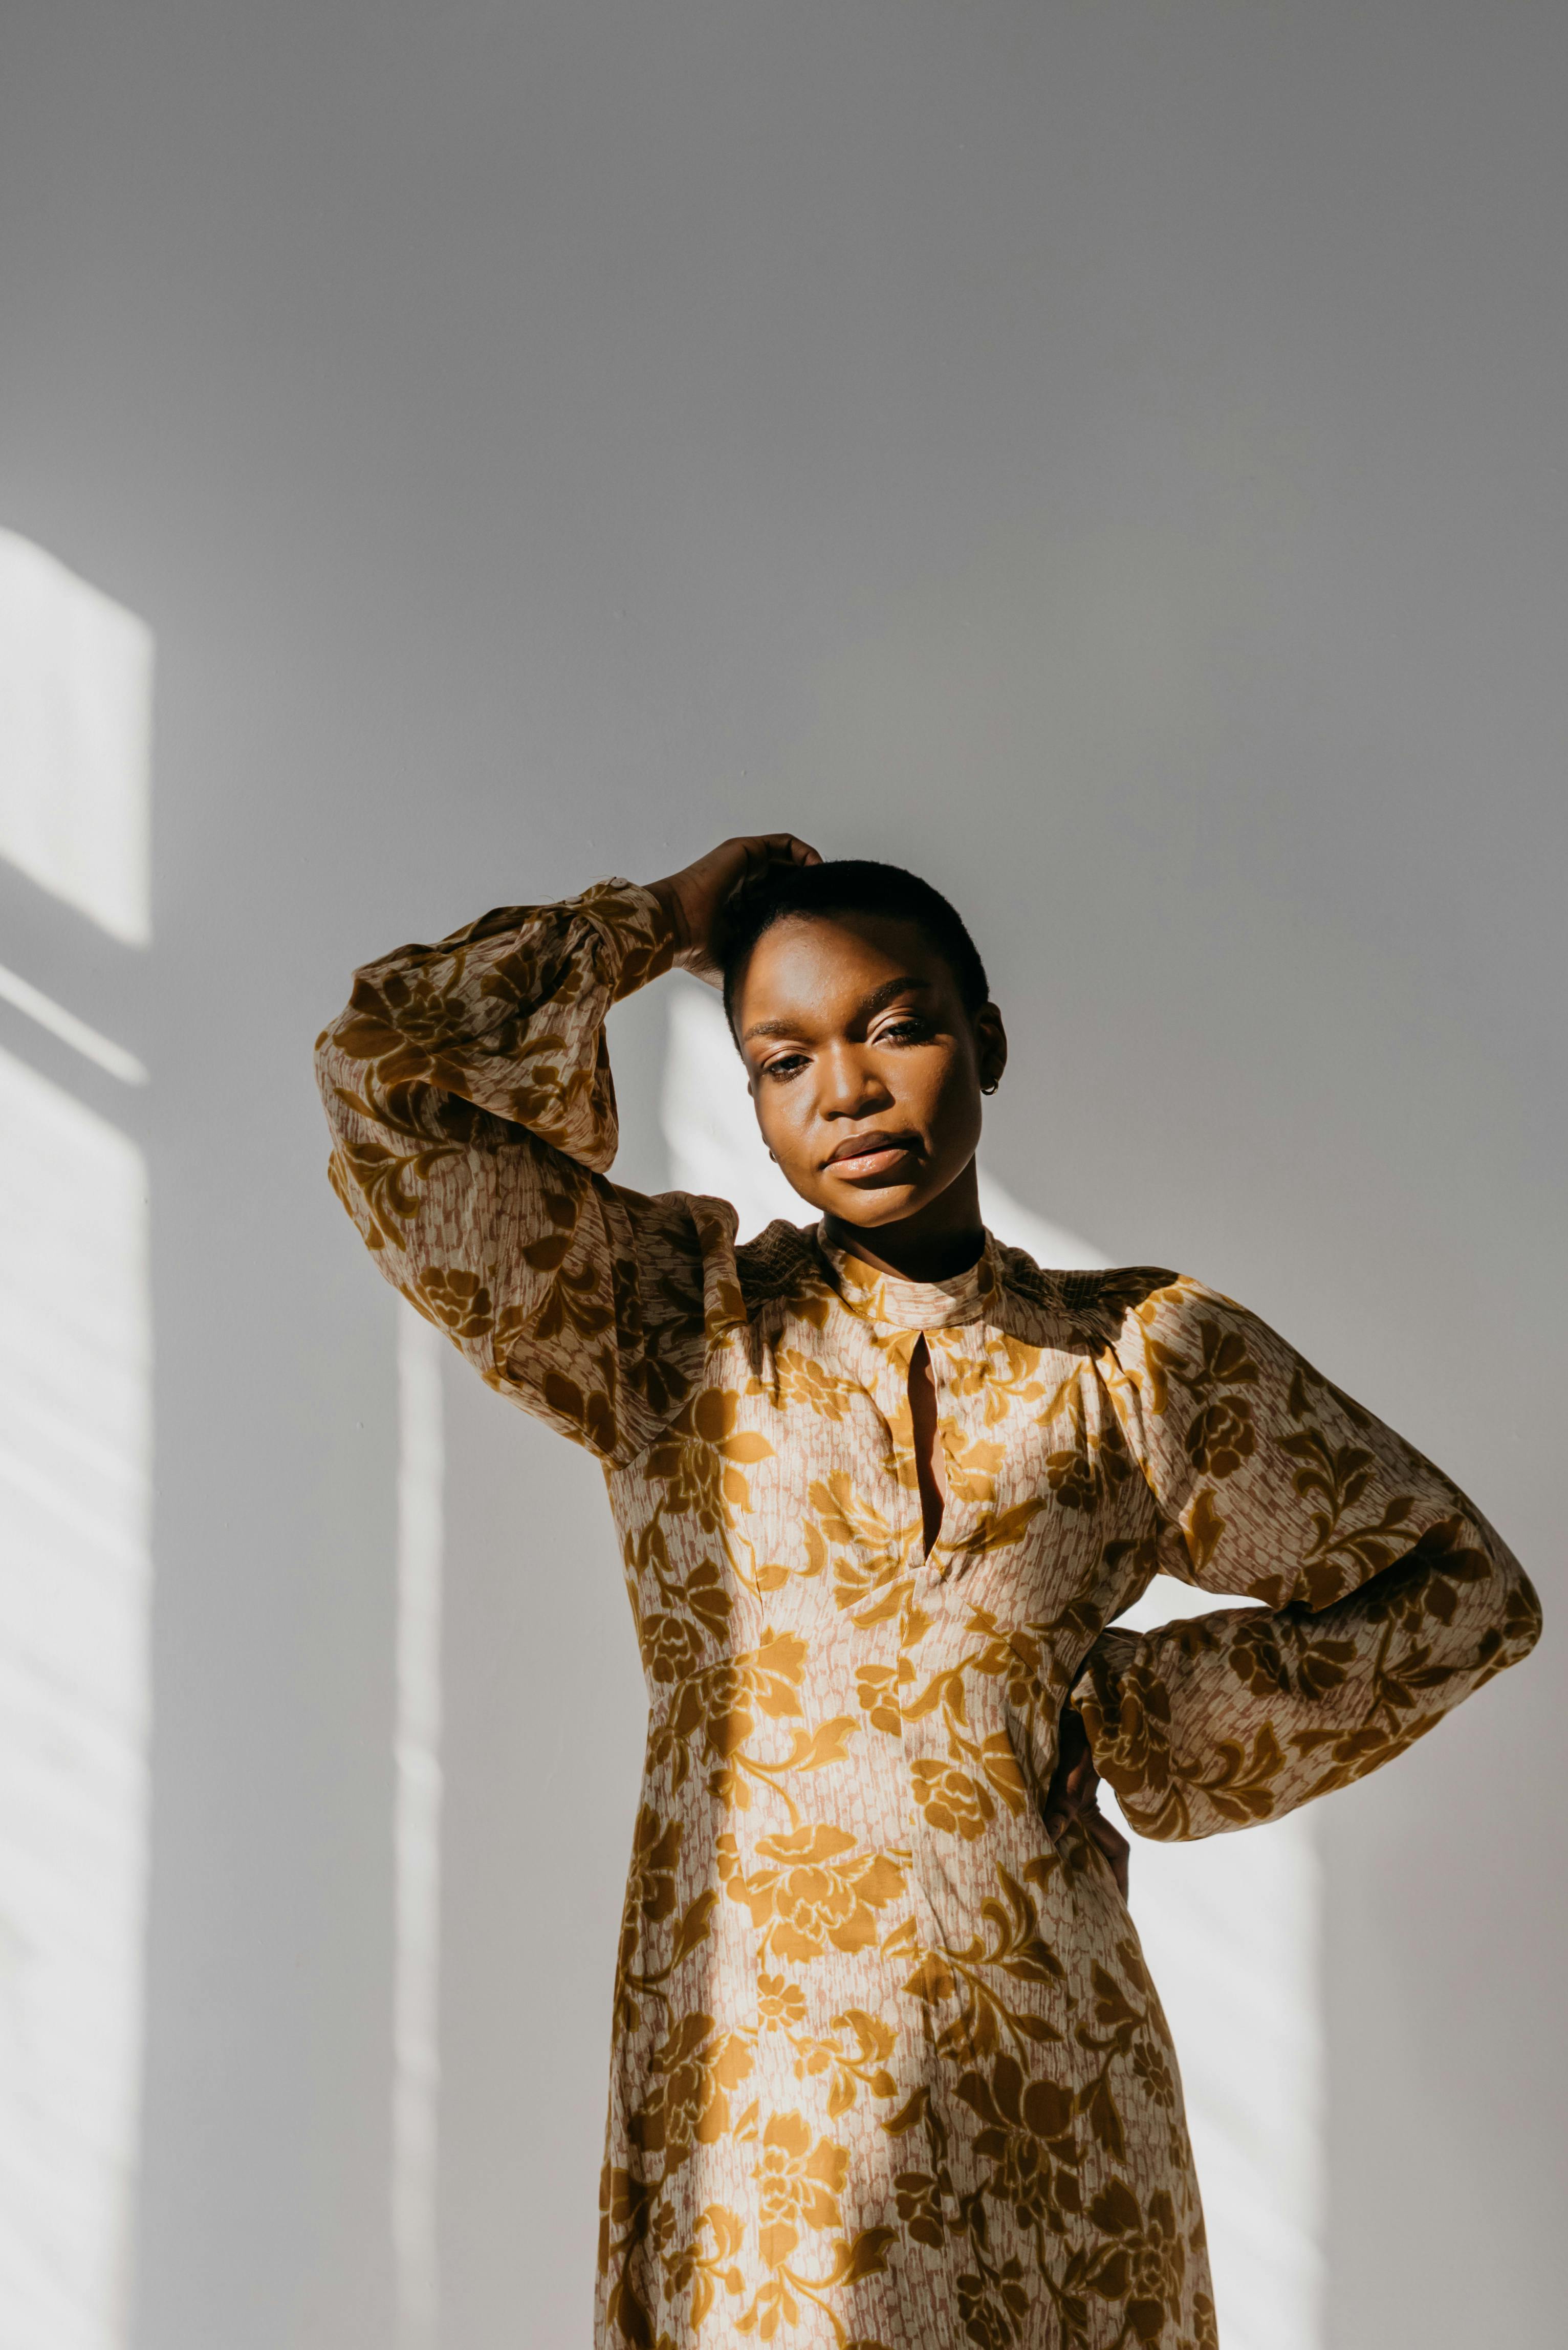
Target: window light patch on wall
76, 686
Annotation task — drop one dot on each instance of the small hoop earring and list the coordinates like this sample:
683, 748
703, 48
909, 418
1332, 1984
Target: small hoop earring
774, 1156
991, 1088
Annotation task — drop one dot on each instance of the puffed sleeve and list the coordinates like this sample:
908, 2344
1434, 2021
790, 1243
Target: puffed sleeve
1387, 1596
472, 1113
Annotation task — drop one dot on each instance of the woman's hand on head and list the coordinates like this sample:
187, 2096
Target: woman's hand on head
695, 896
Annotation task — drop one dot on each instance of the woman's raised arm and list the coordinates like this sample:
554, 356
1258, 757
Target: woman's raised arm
473, 1114
468, 1089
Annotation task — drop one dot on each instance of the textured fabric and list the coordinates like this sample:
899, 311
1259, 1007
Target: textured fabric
887, 2068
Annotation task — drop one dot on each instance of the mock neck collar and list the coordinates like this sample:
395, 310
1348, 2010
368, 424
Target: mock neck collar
894, 1303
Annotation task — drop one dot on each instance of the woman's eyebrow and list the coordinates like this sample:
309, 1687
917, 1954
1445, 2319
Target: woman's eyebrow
867, 1009
871, 1004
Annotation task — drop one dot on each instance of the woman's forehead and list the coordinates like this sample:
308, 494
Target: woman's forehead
821, 969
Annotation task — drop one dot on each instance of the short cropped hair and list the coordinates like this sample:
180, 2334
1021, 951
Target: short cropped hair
848, 885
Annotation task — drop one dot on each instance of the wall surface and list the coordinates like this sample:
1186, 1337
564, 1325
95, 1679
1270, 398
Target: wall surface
1109, 458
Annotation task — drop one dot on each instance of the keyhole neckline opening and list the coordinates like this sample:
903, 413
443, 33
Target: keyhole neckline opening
925, 1434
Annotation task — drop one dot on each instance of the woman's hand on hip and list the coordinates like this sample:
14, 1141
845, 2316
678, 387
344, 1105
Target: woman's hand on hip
1075, 1794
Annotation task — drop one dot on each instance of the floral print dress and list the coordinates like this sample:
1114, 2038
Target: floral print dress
889, 2071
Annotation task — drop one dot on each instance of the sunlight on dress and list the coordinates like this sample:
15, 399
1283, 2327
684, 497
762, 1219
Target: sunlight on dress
1229, 1925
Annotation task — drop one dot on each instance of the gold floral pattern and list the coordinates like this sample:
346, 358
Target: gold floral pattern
888, 2071
815, 1891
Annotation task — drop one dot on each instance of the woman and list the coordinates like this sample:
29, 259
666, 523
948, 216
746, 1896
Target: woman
887, 2067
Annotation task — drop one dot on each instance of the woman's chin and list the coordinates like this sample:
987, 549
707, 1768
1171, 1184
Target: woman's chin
869, 1203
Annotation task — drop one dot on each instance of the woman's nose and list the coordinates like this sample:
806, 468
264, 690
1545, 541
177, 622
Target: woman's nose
849, 1088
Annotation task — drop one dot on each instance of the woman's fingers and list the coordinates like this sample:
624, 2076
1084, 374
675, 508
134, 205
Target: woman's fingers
765, 848
695, 895
1074, 1795
1113, 1843
707, 887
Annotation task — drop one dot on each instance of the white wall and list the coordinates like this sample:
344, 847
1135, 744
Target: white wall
1107, 458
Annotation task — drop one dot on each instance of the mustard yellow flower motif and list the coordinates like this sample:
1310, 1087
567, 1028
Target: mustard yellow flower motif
1227, 1360
673, 1647
1222, 1437
1150, 2269
781, 2004
799, 2182
994, 2307
702, 1462
803, 1379
1071, 1476
971, 1467
1027, 2134
1153, 2069
877, 1687
655, 1858
951, 1801
816, 1892
701, 2271
645, 1960
460, 1302
687, 2103
920, 2205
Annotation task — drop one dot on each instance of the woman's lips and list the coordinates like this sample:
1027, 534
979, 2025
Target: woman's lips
876, 1159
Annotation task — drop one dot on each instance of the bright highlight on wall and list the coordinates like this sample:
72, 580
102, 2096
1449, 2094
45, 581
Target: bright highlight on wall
78, 1033
76, 688
1230, 1926
75, 1580
416, 2017
75, 1466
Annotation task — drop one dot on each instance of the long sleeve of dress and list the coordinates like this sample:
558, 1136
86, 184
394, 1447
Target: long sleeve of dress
472, 1112
1387, 1596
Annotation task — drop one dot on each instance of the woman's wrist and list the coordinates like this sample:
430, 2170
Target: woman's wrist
669, 897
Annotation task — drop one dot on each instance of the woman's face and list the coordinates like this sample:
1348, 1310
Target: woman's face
864, 1066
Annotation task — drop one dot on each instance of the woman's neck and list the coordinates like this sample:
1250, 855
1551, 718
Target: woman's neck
943, 1238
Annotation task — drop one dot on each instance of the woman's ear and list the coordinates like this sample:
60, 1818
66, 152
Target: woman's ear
991, 1047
